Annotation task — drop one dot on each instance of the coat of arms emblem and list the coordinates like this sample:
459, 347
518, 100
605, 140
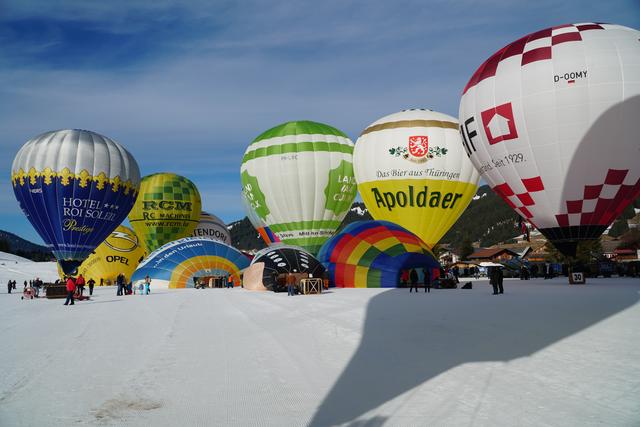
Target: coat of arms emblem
417, 150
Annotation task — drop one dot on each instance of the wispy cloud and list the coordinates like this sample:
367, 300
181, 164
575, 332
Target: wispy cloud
187, 85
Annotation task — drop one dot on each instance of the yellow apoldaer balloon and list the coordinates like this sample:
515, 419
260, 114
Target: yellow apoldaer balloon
412, 170
121, 252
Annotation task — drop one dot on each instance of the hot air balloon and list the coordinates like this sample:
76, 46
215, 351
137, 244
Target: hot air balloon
371, 254
411, 169
212, 227
283, 259
75, 187
168, 209
550, 122
176, 264
119, 253
298, 179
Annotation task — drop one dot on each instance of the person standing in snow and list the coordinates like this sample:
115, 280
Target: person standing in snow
499, 281
120, 283
80, 284
413, 276
147, 284
91, 284
427, 280
291, 283
404, 278
71, 289
493, 279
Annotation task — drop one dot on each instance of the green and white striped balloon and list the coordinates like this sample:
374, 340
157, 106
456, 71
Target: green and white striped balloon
298, 178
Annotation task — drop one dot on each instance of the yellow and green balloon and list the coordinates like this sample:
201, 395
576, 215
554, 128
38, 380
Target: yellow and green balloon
168, 208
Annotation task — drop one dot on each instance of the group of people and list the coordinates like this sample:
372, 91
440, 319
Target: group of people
11, 285
411, 276
36, 284
125, 287
75, 288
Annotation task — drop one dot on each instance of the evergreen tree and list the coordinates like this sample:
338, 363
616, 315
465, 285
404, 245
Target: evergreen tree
465, 248
587, 251
4, 246
619, 228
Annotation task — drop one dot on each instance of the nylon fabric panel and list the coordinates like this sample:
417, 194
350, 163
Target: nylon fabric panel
565, 121
179, 261
299, 203
400, 167
362, 255
63, 189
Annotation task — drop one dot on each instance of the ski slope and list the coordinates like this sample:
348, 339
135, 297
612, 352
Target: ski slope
13, 267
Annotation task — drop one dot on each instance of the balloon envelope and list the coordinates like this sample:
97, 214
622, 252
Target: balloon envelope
177, 263
119, 253
411, 169
283, 259
167, 209
212, 227
550, 122
371, 254
298, 179
75, 187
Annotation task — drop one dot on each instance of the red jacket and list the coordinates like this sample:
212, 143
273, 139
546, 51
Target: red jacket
80, 281
71, 286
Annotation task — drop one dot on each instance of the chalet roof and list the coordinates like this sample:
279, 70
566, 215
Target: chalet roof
481, 253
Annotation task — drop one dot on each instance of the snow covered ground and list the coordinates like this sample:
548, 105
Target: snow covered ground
13, 267
543, 354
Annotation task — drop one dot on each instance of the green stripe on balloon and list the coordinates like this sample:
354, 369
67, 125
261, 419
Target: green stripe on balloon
303, 127
304, 225
299, 147
307, 242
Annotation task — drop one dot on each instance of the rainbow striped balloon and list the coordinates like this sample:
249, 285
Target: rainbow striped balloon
370, 254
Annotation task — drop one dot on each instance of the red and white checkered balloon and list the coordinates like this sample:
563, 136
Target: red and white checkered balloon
550, 121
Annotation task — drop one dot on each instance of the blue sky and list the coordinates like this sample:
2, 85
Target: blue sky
186, 86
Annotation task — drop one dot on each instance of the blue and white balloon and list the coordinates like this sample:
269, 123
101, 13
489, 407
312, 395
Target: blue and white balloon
75, 187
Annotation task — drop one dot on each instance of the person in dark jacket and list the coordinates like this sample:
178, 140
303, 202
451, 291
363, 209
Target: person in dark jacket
413, 278
120, 282
493, 279
499, 281
427, 280
9, 286
71, 289
91, 284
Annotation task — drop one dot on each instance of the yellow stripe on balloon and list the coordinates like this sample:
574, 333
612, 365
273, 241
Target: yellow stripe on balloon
361, 277
385, 244
189, 267
358, 251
